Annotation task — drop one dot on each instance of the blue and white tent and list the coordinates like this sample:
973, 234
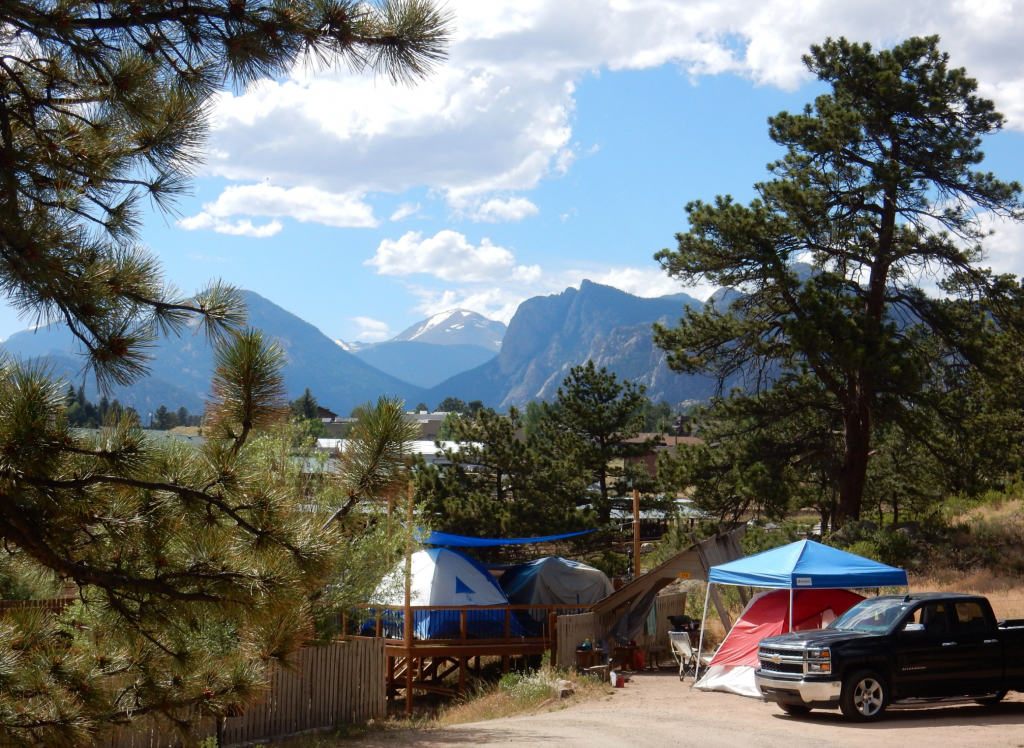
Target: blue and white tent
441, 576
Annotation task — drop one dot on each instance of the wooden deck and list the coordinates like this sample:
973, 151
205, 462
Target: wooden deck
428, 664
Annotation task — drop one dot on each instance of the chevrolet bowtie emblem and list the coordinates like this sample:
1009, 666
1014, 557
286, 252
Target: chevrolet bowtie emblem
776, 659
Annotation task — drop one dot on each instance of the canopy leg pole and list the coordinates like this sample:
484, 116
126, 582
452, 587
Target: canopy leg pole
700, 645
791, 610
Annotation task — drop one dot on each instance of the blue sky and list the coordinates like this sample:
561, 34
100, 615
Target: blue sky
560, 142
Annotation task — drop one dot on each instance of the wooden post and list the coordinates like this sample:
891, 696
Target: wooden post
553, 636
636, 534
462, 626
407, 615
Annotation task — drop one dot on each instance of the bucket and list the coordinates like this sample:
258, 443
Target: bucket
617, 680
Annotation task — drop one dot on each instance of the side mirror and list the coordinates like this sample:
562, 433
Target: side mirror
911, 627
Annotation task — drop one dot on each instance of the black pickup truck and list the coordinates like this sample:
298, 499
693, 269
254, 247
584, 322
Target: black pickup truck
895, 649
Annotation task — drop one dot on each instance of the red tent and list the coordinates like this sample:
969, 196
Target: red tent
732, 667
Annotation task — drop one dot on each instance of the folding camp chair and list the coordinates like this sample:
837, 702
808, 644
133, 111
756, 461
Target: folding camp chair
685, 655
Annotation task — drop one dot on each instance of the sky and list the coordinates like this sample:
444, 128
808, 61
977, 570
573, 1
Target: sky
560, 141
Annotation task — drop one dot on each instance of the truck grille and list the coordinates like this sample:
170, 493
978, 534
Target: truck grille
782, 667
789, 660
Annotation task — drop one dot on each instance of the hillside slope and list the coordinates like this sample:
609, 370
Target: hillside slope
423, 364
181, 369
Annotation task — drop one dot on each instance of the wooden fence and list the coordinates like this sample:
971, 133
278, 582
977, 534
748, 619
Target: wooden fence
330, 685
574, 630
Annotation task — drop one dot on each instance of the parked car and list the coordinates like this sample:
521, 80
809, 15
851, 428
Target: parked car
895, 649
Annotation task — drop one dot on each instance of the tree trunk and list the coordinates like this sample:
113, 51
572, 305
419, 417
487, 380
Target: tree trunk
853, 474
604, 514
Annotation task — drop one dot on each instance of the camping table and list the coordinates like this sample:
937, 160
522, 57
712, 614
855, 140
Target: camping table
625, 656
586, 658
651, 656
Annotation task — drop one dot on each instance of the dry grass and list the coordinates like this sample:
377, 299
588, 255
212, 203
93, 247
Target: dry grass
519, 694
1005, 593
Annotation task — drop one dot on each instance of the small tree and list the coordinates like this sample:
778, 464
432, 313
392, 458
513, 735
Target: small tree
592, 421
496, 485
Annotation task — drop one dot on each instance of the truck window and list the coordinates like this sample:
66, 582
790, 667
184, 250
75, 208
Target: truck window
875, 615
932, 616
970, 618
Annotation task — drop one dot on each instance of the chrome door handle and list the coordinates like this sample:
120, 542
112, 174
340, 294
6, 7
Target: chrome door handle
991, 641
949, 644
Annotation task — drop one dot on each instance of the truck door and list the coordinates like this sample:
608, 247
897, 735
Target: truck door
978, 654
924, 640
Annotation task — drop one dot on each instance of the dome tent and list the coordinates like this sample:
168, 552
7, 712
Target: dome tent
441, 576
732, 668
554, 581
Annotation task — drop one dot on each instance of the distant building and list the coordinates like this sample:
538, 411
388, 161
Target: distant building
430, 423
667, 443
325, 414
428, 448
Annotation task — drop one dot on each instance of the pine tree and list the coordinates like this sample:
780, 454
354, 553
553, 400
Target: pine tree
878, 190
496, 485
196, 567
592, 421
105, 105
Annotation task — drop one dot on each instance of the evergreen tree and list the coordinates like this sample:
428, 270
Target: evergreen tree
451, 405
496, 485
877, 184
107, 104
592, 420
305, 406
196, 567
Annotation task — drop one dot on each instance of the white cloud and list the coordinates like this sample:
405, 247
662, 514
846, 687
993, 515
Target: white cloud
243, 227
1004, 249
305, 204
497, 116
486, 279
372, 330
512, 209
405, 210
447, 255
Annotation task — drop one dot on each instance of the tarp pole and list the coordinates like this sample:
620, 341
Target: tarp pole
700, 645
791, 610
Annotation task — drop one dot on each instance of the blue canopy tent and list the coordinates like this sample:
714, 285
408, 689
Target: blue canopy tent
802, 565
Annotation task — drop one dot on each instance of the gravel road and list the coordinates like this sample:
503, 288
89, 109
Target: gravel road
655, 709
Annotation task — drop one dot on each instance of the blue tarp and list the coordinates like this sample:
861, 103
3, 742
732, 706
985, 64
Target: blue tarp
462, 541
808, 565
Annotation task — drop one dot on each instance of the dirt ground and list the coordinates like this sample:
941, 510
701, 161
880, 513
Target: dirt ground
655, 709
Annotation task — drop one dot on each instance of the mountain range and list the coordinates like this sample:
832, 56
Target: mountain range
458, 353
436, 348
550, 334
182, 365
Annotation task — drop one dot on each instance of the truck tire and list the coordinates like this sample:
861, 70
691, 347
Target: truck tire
864, 697
795, 710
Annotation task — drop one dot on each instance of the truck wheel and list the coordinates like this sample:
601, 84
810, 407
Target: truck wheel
864, 696
795, 710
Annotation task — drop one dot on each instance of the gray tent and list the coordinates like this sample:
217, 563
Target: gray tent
554, 581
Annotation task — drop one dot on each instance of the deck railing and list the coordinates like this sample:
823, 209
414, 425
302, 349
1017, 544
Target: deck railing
462, 624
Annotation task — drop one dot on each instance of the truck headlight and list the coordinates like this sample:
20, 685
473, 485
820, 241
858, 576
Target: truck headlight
819, 667
823, 653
